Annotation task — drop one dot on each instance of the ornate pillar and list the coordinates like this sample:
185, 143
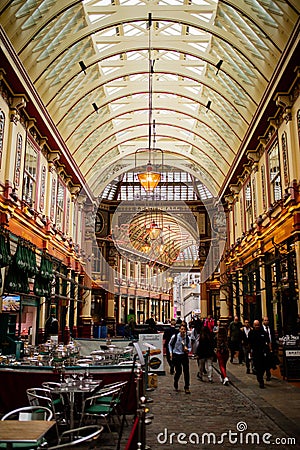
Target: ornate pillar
110, 294
75, 318
42, 320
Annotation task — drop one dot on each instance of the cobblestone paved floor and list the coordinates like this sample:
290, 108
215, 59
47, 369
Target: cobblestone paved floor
211, 408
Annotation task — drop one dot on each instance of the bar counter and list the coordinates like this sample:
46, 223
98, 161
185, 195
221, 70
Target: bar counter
14, 380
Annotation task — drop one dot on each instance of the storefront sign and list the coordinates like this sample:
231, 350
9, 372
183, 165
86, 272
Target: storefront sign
291, 357
156, 360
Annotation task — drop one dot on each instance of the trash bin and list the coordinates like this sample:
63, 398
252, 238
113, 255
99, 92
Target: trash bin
103, 332
97, 331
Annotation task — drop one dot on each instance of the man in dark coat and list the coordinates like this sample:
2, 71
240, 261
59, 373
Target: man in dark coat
235, 339
259, 343
273, 347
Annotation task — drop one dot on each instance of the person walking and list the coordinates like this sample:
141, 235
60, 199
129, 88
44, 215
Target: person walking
179, 348
167, 336
271, 364
234, 335
205, 354
245, 340
259, 343
222, 353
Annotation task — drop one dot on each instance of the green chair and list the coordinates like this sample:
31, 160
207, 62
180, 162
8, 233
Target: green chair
92, 409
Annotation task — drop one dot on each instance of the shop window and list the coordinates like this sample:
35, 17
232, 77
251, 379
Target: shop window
248, 205
60, 206
263, 187
43, 188
30, 170
18, 161
274, 173
124, 268
53, 198
285, 158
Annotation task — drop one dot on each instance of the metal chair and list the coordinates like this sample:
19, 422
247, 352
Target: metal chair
29, 413
60, 402
44, 397
92, 409
106, 398
88, 434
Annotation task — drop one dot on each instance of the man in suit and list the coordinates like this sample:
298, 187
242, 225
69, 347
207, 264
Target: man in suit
246, 333
259, 343
272, 345
234, 336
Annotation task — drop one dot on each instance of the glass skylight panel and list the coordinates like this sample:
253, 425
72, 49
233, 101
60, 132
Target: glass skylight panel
172, 30
171, 2
130, 2
133, 30
205, 17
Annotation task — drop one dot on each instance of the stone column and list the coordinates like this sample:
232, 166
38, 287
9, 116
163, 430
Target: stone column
75, 325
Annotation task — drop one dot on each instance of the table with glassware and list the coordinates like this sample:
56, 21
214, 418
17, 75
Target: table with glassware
23, 432
56, 363
71, 387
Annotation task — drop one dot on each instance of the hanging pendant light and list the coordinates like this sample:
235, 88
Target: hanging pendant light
150, 178
154, 231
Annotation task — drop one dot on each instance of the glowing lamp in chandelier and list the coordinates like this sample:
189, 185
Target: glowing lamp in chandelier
154, 231
149, 179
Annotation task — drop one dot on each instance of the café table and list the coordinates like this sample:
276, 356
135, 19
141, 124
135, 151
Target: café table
23, 431
74, 388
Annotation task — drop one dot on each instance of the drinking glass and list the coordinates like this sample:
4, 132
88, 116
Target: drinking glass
81, 377
74, 375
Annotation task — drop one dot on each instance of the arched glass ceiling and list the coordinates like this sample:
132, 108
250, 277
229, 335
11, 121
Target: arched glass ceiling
212, 61
174, 185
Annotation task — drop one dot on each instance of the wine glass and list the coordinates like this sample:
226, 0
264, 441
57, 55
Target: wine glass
81, 377
74, 375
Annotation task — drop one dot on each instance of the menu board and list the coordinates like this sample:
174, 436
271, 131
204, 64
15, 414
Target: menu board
153, 343
291, 356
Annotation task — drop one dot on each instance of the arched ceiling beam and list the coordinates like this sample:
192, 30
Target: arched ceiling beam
117, 79
235, 127
88, 167
131, 125
128, 45
140, 14
172, 107
117, 167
